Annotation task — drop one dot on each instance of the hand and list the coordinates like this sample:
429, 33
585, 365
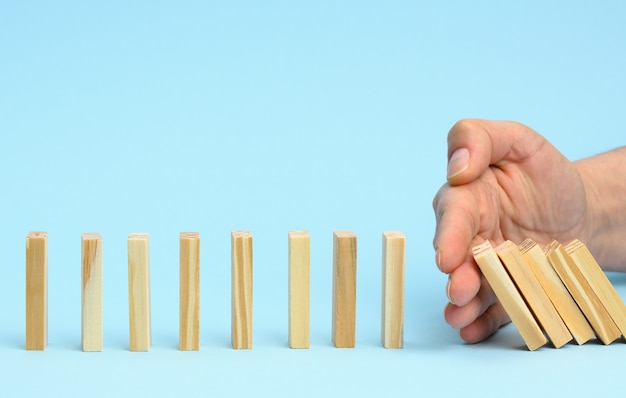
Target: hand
505, 181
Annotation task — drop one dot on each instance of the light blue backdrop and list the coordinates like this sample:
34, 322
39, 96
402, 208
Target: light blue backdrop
164, 117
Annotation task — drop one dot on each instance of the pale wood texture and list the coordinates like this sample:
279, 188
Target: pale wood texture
299, 289
241, 255
36, 290
139, 291
344, 289
579, 288
599, 282
392, 333
511, 300
189, 323
538, 301
91, 321
555, 289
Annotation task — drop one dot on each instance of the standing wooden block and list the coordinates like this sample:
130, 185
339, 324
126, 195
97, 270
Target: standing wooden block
538, 301
555, 289
299, 289
91, 320
139, 291
393, 290
36, 290
344, 289
241, 256
585, 297
510, 298
189, 332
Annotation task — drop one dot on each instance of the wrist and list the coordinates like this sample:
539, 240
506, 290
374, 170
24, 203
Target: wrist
604, 225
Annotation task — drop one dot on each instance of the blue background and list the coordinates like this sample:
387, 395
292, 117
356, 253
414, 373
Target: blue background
162, 117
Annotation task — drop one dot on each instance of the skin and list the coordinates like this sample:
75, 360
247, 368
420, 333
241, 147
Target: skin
506, 181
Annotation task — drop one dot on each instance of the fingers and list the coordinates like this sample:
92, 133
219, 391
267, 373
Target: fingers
486, 325
461, 213
464, 284
457, 217
480, 317
461, 316
474, 145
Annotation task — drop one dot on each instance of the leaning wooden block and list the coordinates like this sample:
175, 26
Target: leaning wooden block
139, 291
579, 288
599, 283
91, 292
393, 290
555, 289
189, 311
511, 300
344, 289
538, 301
241, 256
36, 290
299, 288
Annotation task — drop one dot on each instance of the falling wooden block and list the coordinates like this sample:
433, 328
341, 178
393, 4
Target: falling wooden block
91, 322
139, 291
36, 290
344, 289
393, 290
299, 288
189, 328
599, 283
538, 301
585, 297
511, 300
557, 292
241, 255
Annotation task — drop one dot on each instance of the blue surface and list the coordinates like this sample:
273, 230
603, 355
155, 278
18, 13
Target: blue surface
164, 117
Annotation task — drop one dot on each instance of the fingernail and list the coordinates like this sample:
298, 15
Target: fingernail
448, 291
438, 258
459, 162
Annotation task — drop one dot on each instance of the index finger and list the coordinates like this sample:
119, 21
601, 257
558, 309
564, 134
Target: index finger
458, 219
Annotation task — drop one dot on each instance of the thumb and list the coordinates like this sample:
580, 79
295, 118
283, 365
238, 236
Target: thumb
474, 145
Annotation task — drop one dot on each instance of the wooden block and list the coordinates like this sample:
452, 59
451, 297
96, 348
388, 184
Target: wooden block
299, 289
91, 321
344, 289
538, 301
579, 288
599, 282
555, 289
510, 298
392, 333
36, 291
241, 326
139, 291
189, 324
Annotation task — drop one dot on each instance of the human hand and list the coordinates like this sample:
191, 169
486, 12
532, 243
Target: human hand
505, 181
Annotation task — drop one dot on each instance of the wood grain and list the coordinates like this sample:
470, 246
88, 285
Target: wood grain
585, 297
557, 292
139, 291
36, 291
392, 333
241, 258
599, 283
91, 321
189, 323
344, 289
538, 301
299, 289
510, 298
